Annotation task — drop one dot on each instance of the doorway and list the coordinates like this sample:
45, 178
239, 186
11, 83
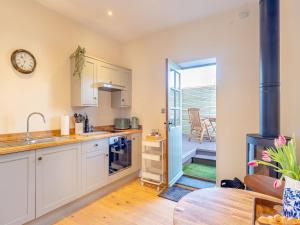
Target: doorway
191, 120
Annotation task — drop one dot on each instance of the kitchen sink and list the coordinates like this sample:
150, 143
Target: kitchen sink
31, 141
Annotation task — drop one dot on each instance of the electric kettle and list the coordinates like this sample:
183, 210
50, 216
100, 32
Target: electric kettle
135, 123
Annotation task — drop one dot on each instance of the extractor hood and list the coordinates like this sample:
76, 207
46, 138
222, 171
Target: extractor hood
109, 87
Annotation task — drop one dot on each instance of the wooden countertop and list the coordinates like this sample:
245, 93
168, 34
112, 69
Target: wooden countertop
216, 206
69, 140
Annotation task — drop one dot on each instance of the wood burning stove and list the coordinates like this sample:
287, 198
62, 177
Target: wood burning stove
269, 86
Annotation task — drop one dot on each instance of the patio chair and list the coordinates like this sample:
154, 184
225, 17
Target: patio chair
198, 125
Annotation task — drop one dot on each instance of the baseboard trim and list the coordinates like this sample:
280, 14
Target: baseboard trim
76, 205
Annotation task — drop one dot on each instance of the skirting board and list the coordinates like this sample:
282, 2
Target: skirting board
76, 205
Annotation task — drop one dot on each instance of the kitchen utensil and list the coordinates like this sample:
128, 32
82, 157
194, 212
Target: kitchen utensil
135, 123
122, 123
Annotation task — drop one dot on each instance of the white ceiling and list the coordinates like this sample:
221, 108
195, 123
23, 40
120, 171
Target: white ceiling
135, 18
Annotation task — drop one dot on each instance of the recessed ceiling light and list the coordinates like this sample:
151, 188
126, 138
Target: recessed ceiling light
110, 13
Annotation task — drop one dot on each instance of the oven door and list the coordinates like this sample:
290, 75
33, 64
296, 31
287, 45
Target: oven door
119, 156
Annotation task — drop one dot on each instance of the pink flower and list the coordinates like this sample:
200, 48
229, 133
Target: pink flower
280, 141
277, 184
266, 156
265, 153
253, 163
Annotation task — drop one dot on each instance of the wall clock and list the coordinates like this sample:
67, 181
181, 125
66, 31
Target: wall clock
23, 61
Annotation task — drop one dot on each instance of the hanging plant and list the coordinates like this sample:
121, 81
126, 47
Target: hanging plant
79, 61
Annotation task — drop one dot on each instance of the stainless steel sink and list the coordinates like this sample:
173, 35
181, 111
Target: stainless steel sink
31, 141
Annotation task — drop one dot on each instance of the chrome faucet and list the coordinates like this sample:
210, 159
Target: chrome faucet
28, 137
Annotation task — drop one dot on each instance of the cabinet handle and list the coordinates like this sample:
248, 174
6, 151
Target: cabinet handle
133, 138
40, 158
95, 98
106, 155
96, 145
123, 100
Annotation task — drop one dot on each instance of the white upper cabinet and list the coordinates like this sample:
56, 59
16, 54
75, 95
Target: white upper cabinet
108, 73
17, 188
122, 99
58, 177
83, 91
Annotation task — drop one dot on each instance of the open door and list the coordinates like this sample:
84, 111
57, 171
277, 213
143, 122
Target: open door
173, 123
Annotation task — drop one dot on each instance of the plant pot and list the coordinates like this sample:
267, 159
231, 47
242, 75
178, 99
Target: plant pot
291, 198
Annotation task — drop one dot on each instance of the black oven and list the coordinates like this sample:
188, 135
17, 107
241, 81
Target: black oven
119, 154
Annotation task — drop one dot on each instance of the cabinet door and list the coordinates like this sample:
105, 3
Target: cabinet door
125, 99
136, 151
108, 73
17, 188
89, 94
58, 177
94, 165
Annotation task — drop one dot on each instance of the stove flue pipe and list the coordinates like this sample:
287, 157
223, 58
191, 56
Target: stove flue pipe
269, 68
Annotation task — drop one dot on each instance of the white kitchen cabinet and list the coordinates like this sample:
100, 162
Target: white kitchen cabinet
83, 91
136, 143
58, 177
122, 99
108, 73
17, 188
94, 165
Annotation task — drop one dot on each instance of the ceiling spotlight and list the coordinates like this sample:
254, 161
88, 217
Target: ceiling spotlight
110, 13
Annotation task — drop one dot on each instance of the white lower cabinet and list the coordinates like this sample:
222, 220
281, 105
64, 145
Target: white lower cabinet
58, 177
94, 165
34, 183
17, 188
136, 151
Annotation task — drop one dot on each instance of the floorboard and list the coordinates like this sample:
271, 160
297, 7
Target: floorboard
132, 204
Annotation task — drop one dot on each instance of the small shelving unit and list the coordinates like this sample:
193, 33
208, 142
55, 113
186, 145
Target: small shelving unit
153, 162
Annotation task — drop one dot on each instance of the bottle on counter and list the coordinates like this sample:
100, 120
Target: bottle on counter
86, 125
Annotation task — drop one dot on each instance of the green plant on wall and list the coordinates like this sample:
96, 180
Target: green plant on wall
79, 61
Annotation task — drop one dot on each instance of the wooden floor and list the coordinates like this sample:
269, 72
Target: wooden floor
129, 205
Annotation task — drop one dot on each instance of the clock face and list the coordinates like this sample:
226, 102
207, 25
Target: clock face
23, 61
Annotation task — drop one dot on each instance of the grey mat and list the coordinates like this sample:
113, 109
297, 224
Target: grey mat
194, 183
174, 193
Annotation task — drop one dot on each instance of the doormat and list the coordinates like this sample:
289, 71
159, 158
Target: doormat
174, 193
195, 183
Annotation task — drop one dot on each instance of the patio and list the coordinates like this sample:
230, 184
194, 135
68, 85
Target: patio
193, 148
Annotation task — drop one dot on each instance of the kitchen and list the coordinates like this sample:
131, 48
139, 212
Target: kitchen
60, 166
43, 173
84, 82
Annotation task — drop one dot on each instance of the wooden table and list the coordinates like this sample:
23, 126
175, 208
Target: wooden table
217, 206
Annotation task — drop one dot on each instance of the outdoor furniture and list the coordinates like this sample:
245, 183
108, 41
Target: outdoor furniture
199, 125
264, 185
217, 206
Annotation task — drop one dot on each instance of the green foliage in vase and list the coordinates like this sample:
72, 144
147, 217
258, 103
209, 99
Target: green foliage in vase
79, 61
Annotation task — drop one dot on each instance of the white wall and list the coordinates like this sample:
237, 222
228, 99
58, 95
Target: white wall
290, 70
51, 38
234, 42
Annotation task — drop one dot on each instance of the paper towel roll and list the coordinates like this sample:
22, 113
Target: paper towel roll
65, 125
